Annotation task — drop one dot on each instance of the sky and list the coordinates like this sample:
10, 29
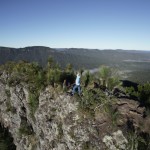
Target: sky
101, 24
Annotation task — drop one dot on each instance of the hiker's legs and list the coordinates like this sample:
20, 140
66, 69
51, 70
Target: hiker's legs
79, 90
74, 89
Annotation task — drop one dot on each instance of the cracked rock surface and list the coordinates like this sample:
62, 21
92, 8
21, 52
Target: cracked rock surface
57, 123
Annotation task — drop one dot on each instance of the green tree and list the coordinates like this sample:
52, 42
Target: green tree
81, 71
144, 94
69, 67
109, 77
112, 82
50, 62
86, 79
105, 73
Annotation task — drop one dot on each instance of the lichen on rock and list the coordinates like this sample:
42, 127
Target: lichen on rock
59, 124
116, 141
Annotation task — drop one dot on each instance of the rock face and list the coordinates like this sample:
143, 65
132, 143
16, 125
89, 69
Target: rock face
59, 125
116, 141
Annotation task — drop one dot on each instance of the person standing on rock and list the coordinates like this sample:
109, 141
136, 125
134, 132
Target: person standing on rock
77, 85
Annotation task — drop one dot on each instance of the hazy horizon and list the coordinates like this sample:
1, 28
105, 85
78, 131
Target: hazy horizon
74, 48
76, 24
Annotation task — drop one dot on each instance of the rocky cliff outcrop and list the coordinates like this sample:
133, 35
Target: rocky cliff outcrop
58, 124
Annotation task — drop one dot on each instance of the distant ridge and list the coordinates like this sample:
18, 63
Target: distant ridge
132, 64
88, 58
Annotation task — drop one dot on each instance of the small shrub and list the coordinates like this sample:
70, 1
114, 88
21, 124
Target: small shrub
112, 82
109, 77
86, 79
69, 67
112, 113
105, 73
135, 141
90, 100
144, 94
50, 62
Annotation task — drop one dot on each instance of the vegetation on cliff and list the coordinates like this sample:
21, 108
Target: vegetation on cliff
100, 93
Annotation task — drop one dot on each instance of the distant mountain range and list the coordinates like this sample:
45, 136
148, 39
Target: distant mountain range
87, 58
125, 60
